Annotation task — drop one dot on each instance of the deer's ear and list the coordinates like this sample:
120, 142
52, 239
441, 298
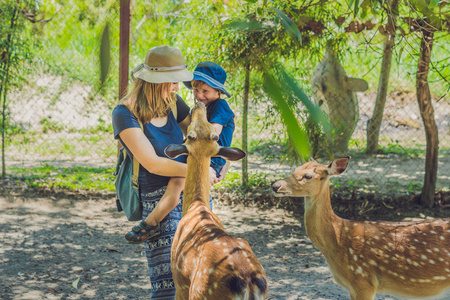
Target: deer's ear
338, 166
173, 150
231, 153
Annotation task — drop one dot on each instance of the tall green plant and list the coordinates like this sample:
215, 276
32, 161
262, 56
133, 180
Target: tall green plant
17, 48
249, 43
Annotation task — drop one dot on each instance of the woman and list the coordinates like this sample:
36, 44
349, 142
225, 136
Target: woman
150, 100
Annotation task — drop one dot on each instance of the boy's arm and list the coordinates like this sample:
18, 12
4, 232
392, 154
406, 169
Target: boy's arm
175, 187
168, 201
217, 127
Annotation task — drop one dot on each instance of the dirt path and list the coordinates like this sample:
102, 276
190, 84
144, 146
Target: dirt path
74, 249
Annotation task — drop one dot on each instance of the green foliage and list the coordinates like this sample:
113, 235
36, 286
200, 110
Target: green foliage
50, 126
17, 43
286, 93
100, 128
319, 144
263, 33
233, 182
16, 49
296, 133
410, 188
72, 179
394, 147
289, 25
77, 55
105, 55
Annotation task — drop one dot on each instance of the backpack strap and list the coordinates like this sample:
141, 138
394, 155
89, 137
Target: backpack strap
135, 176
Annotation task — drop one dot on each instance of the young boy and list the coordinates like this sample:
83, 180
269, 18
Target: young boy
208, 85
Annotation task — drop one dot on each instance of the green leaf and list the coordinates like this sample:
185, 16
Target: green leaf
245, 26
296, 133
433, 4
105, 54
356, 7
75, 283
420, 5
295, 90
289, 25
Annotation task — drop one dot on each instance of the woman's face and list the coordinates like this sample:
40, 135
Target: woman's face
174, 87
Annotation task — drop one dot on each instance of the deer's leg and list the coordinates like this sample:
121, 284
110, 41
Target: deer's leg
365, 296
182, 294
362, 292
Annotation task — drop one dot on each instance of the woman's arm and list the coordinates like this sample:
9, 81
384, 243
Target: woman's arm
184, 124
143, 150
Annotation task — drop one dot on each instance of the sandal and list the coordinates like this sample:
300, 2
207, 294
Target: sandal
142, 233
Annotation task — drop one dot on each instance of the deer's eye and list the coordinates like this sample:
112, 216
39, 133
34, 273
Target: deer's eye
192, 135
307, 176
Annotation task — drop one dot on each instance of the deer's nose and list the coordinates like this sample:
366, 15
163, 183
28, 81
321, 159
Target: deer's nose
276, 186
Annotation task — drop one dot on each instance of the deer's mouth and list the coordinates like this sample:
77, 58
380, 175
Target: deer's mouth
282, 193
278, 190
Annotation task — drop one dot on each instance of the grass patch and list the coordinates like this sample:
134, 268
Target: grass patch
71, 179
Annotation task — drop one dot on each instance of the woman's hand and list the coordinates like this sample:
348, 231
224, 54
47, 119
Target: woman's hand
223, 172
212, 176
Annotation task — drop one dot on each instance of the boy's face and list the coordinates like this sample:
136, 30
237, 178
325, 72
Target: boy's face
206, 94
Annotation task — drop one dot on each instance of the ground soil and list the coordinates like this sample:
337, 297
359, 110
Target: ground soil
63, 246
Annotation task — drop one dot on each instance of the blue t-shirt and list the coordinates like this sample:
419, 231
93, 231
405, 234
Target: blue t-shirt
220, 112
159, 137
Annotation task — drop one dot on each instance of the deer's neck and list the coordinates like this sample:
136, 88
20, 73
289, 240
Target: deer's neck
320, 220
197, 185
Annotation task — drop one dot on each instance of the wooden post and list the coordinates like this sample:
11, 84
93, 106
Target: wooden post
124, 49
245, 125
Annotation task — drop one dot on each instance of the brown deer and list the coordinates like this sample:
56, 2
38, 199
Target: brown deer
206, 261
409, 259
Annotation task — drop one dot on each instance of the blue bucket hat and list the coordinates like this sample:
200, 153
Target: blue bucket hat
210, 73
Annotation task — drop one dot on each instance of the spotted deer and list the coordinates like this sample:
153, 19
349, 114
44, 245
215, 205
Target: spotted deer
206, 261
408, 259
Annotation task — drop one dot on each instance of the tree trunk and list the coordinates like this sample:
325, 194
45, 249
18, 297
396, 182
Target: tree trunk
6, 63
124, 51
245, 125
374, 124
124, 47
427, 113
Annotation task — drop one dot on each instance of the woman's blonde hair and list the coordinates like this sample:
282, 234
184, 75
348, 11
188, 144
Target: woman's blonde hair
148, 100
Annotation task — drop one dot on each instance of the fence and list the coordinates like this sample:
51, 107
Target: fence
59, 121
63, 125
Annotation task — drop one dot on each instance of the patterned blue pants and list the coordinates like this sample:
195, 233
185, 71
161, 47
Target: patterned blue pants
158, 250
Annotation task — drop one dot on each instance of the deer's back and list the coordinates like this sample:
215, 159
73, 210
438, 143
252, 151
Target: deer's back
397, 257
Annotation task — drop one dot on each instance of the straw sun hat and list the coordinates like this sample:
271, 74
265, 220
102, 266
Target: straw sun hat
162, 64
